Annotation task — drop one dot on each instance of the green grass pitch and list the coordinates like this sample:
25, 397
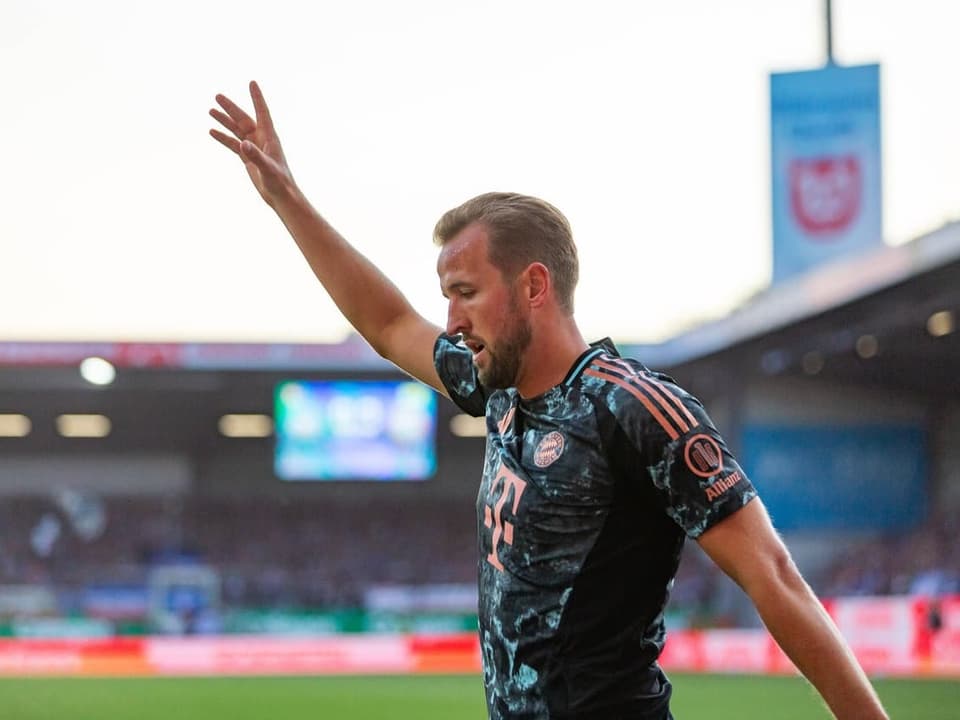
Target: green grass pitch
446, 697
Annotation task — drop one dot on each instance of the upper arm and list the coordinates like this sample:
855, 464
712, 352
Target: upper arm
688, 461
408, 342
746, 546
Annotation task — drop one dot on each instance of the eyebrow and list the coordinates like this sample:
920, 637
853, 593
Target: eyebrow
454, 286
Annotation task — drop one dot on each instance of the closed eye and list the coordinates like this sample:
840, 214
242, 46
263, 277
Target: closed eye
459, 289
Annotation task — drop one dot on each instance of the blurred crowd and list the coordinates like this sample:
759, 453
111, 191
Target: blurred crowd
923, 561
268, 554
317, 555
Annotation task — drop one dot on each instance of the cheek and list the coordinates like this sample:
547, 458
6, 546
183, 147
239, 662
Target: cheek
495, 317
491, 315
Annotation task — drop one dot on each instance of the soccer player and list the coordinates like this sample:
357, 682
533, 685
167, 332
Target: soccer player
596, 468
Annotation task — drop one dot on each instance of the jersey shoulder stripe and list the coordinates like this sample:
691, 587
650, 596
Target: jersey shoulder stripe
662, 404
647, 378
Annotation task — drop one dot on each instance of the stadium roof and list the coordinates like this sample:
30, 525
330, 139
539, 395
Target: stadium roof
862, 321
907, 283
884, 319
826, 288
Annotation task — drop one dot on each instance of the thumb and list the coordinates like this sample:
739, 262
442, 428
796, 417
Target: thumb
263, 162
269, 159
268, 176
251, 152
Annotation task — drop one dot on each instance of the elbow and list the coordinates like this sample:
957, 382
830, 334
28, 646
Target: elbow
777, 572
379, 347
786, 571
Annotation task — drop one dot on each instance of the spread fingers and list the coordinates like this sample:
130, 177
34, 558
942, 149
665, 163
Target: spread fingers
230, 143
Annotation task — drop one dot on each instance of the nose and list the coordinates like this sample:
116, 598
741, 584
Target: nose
456, 321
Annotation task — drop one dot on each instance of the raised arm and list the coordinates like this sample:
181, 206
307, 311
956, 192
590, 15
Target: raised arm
748, 549
366, 297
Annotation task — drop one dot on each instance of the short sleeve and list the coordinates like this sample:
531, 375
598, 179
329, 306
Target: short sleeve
701, 481
454, 364
676, 447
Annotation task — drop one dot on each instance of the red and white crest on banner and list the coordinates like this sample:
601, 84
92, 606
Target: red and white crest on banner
825, 193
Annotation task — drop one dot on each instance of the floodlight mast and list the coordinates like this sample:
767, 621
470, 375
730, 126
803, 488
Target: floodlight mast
828, 22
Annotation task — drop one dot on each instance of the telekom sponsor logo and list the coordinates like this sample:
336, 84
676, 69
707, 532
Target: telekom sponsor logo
510, 484
825, 194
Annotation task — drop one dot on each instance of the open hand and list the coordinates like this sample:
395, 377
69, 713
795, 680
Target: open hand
256, 143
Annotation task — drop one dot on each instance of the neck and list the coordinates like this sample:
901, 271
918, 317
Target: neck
552, 351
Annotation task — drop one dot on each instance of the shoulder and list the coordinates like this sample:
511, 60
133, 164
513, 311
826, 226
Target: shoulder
633, 393
454, 365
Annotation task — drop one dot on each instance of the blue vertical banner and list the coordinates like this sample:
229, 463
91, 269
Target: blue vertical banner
826, 166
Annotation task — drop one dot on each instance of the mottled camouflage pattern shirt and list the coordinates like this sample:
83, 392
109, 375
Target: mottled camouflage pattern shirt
588, 492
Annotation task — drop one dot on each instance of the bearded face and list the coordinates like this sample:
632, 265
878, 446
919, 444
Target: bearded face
504, 356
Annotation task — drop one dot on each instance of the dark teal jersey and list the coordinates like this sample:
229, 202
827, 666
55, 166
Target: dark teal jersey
587, 494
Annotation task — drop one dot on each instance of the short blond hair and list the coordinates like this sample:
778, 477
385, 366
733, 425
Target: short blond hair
522, 230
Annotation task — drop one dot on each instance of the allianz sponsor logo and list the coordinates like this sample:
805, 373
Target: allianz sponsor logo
721, 486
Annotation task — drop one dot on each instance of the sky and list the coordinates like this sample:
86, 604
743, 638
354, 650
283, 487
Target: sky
646, 122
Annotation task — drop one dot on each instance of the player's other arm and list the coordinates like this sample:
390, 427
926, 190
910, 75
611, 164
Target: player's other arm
748, 549
366, 297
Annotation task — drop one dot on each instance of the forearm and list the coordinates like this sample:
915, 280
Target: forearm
807, 634
365, 296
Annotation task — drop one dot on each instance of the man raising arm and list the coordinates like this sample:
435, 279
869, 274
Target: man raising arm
596, 468
367, 298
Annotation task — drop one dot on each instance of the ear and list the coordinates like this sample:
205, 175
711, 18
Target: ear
537, 284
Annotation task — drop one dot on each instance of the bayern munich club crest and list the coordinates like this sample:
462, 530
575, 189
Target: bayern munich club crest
549, 449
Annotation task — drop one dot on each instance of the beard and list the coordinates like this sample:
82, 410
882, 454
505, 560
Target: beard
503, 360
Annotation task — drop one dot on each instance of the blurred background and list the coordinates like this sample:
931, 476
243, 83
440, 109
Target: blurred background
193, 445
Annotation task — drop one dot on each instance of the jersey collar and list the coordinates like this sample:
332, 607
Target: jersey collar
596, 348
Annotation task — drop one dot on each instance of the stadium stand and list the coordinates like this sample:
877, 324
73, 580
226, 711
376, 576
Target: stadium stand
852, 346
